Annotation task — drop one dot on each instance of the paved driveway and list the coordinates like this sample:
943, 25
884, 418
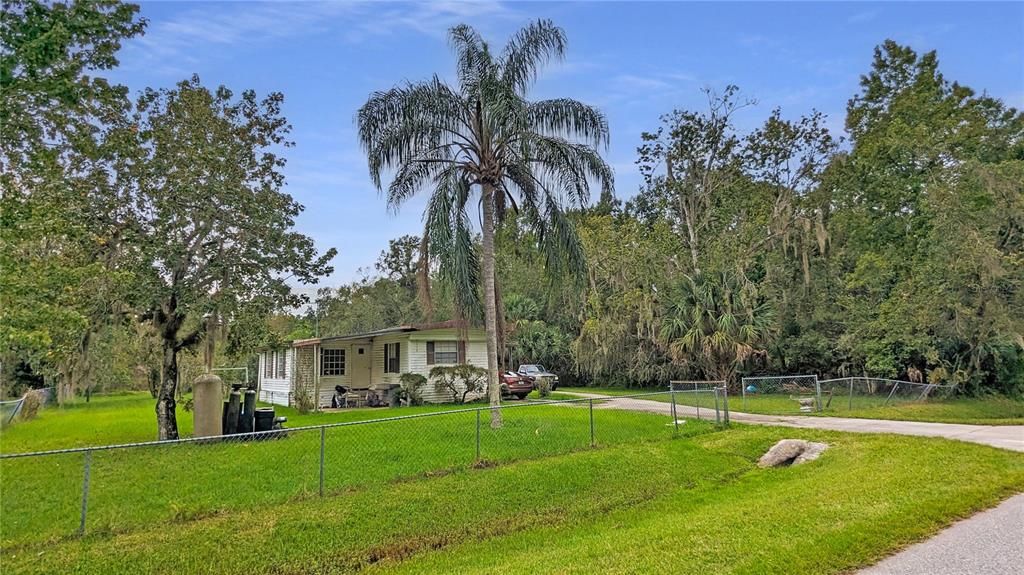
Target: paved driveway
1003, 436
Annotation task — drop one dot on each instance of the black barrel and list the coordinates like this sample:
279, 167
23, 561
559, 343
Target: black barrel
246, 419
234, 407
264, 418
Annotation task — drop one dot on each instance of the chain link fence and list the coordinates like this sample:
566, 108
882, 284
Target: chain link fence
10, 410
795, 394
863, 393
707, 395
785, 393
119, 488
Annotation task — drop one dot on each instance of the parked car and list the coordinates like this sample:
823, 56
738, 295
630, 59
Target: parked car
513, 384
532, 370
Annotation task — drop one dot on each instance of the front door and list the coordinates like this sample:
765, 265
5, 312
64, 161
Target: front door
361, 363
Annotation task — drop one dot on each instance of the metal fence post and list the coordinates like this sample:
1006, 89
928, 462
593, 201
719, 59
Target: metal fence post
592, 443
478, 436
675, 416
718, 414
725, 403
817, 393
851, 395
891, 393
696, 399
85, 492
323, 437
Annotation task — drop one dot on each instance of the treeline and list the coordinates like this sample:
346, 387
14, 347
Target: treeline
781, 250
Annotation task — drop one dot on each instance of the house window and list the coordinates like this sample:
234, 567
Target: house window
268, 364
391, 361
281, 372
443, 352
332, 362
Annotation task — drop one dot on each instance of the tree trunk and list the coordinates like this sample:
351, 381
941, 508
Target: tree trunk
685, 212
154, 377
490, 309
166, 420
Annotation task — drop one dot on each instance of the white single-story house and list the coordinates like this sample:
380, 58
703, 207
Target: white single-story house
367, 361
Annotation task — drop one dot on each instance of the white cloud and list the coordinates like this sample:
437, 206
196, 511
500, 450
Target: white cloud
171, 45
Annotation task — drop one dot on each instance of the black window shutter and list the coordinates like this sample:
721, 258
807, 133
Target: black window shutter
398, 358
386, 346
430, 353
462, 351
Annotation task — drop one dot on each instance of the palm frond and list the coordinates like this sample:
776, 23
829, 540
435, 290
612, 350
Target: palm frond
528, 50
448, 227
567, 118
471, 56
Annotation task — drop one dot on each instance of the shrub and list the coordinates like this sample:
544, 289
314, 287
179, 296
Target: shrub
302, 400
30, 405
459, 380
412, 388
543, 384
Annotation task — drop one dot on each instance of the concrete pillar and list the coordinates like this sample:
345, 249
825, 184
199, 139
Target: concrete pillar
206, 405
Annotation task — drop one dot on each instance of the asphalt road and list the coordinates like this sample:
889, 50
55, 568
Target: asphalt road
989, 543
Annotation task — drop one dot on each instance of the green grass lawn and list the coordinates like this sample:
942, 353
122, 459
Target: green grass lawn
131, 488
697, 504
992, 410
130, 418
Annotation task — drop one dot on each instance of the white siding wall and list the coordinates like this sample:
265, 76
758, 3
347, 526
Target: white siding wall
327, 383
273, 389
412, 358
476, 354
377, 375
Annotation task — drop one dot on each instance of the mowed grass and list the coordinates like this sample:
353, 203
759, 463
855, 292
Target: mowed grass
695, 504
131, 418
130, 488
988, 410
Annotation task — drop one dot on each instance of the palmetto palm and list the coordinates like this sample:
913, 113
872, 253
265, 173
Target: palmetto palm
485, 137
715, 323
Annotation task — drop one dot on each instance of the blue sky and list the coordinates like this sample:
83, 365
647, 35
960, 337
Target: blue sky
635, 61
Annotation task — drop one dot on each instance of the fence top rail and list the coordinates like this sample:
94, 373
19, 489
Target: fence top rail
885, 380
707, 381
241, 437
778, 376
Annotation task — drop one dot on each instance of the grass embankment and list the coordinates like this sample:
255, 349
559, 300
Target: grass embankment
695, 505
990, 410
135, 487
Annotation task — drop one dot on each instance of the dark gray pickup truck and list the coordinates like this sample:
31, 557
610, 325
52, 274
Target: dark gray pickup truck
532, 370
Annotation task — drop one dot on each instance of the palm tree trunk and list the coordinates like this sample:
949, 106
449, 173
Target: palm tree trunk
490, 309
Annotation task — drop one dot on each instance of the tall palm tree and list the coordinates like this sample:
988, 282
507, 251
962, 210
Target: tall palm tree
484, 137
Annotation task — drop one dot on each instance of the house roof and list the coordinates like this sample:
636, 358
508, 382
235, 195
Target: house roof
450, 324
